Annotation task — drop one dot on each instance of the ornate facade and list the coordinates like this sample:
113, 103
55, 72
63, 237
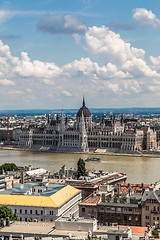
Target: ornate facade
84, 136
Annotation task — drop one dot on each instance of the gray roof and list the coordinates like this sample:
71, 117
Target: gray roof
22, 189
113, 204
154, 195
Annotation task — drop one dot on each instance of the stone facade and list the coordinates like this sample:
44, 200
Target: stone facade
84, 136
151, 208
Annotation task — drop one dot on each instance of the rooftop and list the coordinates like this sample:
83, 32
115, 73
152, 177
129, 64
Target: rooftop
91, 200
80, 219
58, 197
28, 227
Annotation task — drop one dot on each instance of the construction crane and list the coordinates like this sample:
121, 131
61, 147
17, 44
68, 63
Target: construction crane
8, 132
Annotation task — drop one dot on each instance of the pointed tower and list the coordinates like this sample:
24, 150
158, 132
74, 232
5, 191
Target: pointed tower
86, 114
66, 120
84, 145
62, 125
83, 104
48, 121
57, 118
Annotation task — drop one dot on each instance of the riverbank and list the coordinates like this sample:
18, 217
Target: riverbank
139, 169
150, 154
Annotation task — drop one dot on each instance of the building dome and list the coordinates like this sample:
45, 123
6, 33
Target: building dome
85, 110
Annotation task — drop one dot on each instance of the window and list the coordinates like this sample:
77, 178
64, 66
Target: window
36, 212
154, 208
25, 211
51, 212
157, 218
25, 219
20, 211
118, 209
147, 208
125, 218
20, 219
83, 210
147, 217
15, 210
130, 218
30, 211
41, 212
130, 210
41, 219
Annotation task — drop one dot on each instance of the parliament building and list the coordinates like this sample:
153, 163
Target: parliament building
85, 136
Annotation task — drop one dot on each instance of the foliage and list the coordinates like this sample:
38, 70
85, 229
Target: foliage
81, 169
155, 234
8, 167
5, 212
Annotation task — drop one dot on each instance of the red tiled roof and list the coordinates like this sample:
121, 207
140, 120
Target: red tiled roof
91, 200
136, 230
137, 188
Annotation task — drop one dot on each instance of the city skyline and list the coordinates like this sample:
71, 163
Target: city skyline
52, 52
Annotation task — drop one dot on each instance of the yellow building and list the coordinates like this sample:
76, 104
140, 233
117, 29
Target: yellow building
41, 202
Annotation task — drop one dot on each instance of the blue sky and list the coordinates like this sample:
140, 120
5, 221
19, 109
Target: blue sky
53, 51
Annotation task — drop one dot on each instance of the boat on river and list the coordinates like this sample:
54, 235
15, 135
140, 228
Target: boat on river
93, 159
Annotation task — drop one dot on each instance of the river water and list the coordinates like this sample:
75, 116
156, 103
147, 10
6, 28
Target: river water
138, 169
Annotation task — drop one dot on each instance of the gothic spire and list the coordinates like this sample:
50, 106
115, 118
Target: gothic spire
83, 105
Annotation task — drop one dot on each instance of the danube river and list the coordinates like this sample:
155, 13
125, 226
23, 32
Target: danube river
138, 169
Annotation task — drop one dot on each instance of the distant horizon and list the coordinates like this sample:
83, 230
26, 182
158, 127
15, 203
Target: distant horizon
62, 109
71, 111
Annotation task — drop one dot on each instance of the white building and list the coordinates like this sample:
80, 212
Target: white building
41, 202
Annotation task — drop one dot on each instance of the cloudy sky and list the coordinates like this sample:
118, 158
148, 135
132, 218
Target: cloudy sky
53, 51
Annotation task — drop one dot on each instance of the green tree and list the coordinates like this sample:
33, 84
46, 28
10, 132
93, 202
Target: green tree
81, 168
155, 234
8, 167
5, 212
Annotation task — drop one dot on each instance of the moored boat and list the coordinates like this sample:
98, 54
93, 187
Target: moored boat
93, 159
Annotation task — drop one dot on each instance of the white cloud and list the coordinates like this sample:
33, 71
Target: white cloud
105, 43
128, 61
154, 60
6, 82
77, 38
24, 67
123, 73
145, 17
66, 93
